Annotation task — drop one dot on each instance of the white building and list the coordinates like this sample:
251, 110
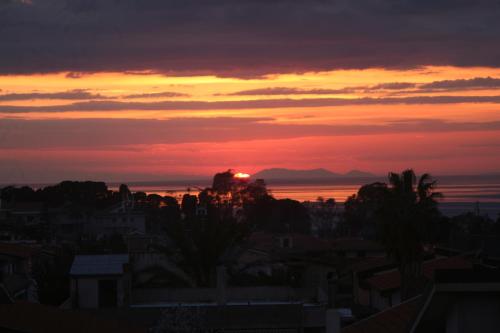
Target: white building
119, 219
100, 281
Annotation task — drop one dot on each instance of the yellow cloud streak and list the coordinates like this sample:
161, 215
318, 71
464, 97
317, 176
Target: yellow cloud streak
211, 88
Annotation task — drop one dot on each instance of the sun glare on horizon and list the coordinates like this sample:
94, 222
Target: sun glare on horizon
241, 175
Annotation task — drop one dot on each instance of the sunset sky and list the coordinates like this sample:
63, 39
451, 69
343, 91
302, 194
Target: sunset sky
125, 90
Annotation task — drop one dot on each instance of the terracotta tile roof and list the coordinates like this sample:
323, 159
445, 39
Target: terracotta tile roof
392, 280
17, 250
308, 243
37, 318
371, 263
262, 241
356, 244
393, 320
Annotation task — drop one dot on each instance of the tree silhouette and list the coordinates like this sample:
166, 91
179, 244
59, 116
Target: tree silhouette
405, 217
361, 209
323, 215
223, 182
202, 241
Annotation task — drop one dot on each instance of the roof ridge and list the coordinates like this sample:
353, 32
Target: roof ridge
385, 310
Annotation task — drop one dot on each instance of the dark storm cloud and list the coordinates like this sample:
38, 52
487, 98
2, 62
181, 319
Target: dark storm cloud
245, 38
398, 87
81, 94
463, 84
70, 95
317, 91
246, 104
392, 86
156, 95
289, 91
477, 83
95, 133
74, 75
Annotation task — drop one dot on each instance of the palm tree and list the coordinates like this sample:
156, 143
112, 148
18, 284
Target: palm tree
405, 217
203, 242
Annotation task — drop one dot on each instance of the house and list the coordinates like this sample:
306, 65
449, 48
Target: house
16, 271
309, 262
150, 263
72, 222
266, 254
395, 319
67, 222
264, 250
121, 219
459, 301
357, 248
364, 268
287, 243
100, 281
383, 287
25, 213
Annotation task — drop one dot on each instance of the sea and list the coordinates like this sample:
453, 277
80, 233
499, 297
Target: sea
479, 194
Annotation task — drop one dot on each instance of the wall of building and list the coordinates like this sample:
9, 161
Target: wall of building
87, 293
474, 314
116, 223
395, 298
377, 300
242, 294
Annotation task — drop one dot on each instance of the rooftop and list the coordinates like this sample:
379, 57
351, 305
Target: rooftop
356, 244
393, 320
17, 250
392, 279
104, 264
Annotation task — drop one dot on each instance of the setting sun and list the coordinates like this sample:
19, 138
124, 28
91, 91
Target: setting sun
241, 175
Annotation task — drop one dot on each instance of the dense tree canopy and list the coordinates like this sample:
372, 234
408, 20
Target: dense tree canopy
403, 215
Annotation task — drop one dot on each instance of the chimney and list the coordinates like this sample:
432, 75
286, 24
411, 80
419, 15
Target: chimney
332, 321
221, 285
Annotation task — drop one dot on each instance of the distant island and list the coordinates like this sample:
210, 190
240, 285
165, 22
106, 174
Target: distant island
281, 174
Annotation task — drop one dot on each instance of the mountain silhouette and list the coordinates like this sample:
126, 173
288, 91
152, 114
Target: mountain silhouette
309, 174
